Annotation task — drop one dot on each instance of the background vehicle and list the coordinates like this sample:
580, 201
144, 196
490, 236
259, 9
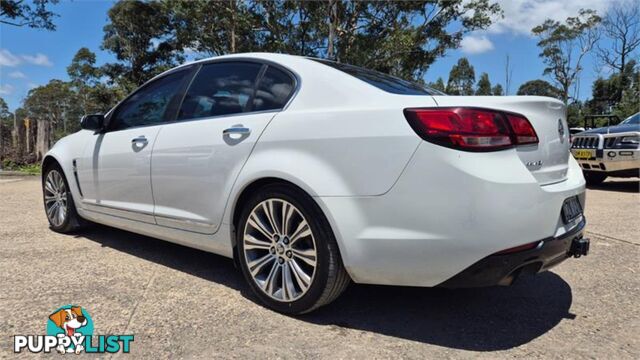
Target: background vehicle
609, 151
312, 173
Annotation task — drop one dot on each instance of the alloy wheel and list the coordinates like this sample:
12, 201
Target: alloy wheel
280, 250
55, 198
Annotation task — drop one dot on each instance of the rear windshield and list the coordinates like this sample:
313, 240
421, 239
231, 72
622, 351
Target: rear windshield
382, 81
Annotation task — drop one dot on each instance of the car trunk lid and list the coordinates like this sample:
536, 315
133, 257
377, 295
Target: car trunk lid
548, 161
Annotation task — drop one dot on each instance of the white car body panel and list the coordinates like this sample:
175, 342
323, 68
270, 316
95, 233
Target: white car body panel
404, 211
197, 158
114, 173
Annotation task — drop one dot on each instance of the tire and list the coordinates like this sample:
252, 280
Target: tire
55, 192
289, 240
594, 177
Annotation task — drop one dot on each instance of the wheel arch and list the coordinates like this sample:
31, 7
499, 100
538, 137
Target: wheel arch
48, 161
252, 187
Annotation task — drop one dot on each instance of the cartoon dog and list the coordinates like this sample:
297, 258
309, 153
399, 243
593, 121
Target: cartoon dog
69, 320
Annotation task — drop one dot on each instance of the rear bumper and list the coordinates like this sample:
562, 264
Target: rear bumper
504, 269
447, 211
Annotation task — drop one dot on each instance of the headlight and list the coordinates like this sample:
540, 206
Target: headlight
634, 139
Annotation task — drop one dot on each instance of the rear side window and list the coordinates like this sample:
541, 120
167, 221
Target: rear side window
274, 90
220, 89
382, 81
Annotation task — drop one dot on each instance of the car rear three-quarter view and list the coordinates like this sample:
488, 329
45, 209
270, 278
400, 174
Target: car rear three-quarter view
312, 174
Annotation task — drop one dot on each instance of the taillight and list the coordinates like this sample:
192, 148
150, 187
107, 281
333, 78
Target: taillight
471, 129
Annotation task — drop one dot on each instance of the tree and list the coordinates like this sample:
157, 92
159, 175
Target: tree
82, 69
438, 85
6, 119
140, 35
94, 95
564, 45
539, 88
497, 90
484, 85
33, 14
461, 78
621, 26
630, 102
49, 109
213, 27
400, 38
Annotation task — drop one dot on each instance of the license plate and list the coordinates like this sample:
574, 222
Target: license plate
584, 154
571, 210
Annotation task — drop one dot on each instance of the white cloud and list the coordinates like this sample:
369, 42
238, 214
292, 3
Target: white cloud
12, 60
6, 89
8, 59
38, 59
474, 44
17, 75
520, 16
32, 85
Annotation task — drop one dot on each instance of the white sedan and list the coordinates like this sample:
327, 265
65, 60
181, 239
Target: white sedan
312, 174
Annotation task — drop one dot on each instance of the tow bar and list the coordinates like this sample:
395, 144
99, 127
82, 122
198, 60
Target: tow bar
579, 247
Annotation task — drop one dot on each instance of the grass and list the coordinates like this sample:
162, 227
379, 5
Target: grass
29, 169
32, 169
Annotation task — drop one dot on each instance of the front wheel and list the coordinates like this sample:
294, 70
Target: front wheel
594, 177
287, 251
58, 201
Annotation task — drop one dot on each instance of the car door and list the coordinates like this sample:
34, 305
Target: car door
197, 158
115, 172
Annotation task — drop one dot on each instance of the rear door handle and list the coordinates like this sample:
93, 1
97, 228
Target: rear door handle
139, 140
240, 130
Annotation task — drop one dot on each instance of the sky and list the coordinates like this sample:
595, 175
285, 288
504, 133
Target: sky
31, 57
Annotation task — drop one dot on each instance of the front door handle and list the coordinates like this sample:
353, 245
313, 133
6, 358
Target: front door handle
240, 130
140, 140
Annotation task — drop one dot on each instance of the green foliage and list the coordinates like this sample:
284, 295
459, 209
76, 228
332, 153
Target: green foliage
484, 85
461, 78
93, 94
55, 102
605, 91
29, 169
539, 88
140, 35
438, 85
401, 38
33, 14
5, 115
497, 90
564, 45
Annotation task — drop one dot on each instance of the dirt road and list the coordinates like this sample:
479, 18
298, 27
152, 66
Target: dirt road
185, 303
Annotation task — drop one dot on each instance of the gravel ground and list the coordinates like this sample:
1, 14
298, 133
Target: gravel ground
184, 303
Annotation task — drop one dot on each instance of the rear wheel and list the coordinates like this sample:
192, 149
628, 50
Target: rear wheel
594, 177
287, 251
58, 201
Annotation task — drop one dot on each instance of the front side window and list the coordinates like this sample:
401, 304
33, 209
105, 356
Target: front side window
149, 105
274, 90
220, 89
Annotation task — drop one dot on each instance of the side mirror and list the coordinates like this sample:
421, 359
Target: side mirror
92, 122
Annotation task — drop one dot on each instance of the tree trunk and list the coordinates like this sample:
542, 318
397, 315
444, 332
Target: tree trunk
27, 138
1, 143
43, 139
233, 26
18, 138
332, 29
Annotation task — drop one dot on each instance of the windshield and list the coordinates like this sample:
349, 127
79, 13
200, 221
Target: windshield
382, 81
632, 120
